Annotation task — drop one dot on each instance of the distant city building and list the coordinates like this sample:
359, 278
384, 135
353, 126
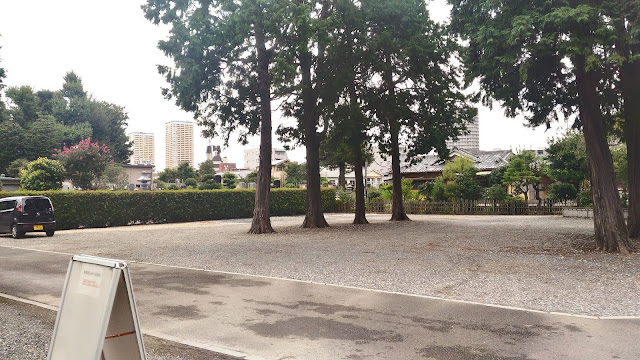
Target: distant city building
469, 141
179, 143
252, 157
143, 146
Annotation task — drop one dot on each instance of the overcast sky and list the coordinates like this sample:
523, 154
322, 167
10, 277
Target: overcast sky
112, 47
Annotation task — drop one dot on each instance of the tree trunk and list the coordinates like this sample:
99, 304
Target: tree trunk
261, 217
610, 228
355, 118
315, 214
397, 205
630, 78
342, 178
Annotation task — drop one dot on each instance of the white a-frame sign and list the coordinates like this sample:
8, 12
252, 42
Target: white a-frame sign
97, 317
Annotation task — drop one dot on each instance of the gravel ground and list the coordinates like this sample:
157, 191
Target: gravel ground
534, 262
25, 333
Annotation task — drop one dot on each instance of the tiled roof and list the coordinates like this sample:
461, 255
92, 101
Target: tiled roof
484, 160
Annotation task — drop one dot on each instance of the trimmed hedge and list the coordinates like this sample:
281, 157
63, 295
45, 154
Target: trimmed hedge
74, 209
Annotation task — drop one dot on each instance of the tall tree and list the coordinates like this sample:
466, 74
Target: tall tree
306, 46
625, 17
224, 56
418, 98
540, 58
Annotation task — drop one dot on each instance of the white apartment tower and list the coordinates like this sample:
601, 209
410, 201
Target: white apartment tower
469, 141
143, 147
179, 143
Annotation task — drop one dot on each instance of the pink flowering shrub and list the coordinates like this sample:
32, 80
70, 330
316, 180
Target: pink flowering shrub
84, 162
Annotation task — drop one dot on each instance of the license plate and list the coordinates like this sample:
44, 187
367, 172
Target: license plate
37, 227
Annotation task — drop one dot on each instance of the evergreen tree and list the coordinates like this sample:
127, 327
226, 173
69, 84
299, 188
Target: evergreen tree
540, 58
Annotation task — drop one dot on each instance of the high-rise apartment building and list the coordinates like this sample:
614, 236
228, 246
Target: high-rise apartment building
469, 141
179, 143
143, 147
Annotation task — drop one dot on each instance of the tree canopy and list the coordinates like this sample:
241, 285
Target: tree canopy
37, 122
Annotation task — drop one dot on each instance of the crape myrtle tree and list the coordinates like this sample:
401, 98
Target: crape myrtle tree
414, 91
544, 59
225, 60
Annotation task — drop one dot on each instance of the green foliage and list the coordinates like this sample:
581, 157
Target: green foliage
85, 162
452, 191
456, 167
426, 189
496, 193
373, 193
185, 171
191, 183
116, 208
296, 173
496, 176
42, 174
619, 155
468, 185
324, 182
585, 198
386, 191
114, 177
14, 168
562, 192
252, 177
168, 175
38, 122
229, 180
519, 174
437, 191
567, 158
206, 168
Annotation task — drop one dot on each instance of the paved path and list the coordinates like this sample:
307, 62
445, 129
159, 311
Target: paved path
265, 318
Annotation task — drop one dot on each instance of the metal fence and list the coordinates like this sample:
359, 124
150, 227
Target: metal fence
464, 207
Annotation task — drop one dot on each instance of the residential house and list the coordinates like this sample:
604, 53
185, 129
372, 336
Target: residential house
430, 167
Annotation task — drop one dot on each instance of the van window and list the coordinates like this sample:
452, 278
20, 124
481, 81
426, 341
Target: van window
36, 205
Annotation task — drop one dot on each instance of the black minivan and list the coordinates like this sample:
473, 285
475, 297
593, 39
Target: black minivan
22, 214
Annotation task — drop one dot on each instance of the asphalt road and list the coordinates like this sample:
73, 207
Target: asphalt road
266, 318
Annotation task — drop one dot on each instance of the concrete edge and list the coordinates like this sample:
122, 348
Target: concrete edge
591, 317
191, 343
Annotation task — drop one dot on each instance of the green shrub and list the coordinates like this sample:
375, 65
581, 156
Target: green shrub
585, 198
76, 209
562, 192
496, 193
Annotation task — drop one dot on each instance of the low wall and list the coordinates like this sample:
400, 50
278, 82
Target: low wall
584, 213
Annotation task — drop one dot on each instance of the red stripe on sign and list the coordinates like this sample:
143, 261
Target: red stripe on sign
118, 335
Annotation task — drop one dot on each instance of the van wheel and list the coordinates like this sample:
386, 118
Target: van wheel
50, 233
15, 233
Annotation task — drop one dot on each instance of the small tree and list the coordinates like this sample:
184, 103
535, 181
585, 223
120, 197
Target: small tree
206, 168
437, 192
468, 185
186, 171
496, 193
296, 173
16, 166
84, 162
42, 174
519, 175
562, 192
114, 177
229, 180
168, 175
456, 167
191, 183
209, 183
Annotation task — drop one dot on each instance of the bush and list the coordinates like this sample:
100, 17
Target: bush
496, 193
373, 193
76, 209
585, 198
562, 192
41, 175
